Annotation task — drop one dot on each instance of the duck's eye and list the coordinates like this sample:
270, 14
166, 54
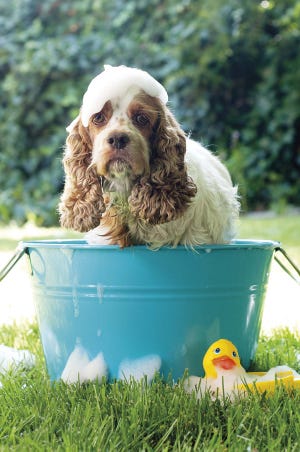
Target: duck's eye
140, 119
234, 354
217, 350
99, 118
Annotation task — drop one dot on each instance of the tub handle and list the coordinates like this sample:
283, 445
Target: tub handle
295, 275
12, 262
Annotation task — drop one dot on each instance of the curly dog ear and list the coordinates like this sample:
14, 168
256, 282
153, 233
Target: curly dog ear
81, 204
165, 193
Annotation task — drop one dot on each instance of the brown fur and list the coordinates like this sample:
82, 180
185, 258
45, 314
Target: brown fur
82, 203
157, 196
118, 231
166, 193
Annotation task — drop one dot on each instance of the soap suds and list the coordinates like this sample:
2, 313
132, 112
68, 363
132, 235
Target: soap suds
139, 368
114, 82
80, 368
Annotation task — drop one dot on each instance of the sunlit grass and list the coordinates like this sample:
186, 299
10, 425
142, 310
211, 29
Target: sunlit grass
131, 416
284, 229
11, 235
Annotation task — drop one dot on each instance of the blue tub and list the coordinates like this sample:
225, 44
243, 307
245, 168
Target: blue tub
134, 311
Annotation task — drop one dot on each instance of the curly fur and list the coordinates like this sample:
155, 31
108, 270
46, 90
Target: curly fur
165, 193
153, 186
82, 202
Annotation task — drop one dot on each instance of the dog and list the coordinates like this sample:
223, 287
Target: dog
132, 175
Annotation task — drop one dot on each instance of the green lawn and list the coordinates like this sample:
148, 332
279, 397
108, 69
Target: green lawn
285, 229
36, 415
11, 235
39, 416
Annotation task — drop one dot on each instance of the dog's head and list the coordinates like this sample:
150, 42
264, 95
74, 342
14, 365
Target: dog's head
126, 138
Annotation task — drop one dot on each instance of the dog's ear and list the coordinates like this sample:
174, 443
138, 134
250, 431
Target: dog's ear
165, 193
81, 204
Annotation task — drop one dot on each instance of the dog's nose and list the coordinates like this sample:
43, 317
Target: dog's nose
118, 140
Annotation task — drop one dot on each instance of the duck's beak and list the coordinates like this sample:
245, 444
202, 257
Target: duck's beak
225, 362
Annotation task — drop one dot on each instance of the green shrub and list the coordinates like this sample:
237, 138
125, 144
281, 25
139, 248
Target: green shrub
231, 70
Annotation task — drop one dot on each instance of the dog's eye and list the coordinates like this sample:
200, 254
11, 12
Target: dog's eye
140, 119
99, 118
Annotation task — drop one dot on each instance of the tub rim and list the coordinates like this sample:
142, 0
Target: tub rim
83, 244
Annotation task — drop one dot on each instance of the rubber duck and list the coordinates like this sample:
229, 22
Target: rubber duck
223, 371
222, 358
225, 376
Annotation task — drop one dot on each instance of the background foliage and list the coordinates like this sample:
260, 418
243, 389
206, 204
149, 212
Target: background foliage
232, 70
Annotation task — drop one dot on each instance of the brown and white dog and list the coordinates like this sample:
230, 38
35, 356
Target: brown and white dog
133, 177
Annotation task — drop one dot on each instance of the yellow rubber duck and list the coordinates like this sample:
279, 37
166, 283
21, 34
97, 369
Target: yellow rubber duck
221, 357
225, 376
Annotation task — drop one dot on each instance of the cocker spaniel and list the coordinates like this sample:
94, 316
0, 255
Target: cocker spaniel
133, 177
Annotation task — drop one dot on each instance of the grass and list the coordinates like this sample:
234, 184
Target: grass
282, 228
11, 235
36, 415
